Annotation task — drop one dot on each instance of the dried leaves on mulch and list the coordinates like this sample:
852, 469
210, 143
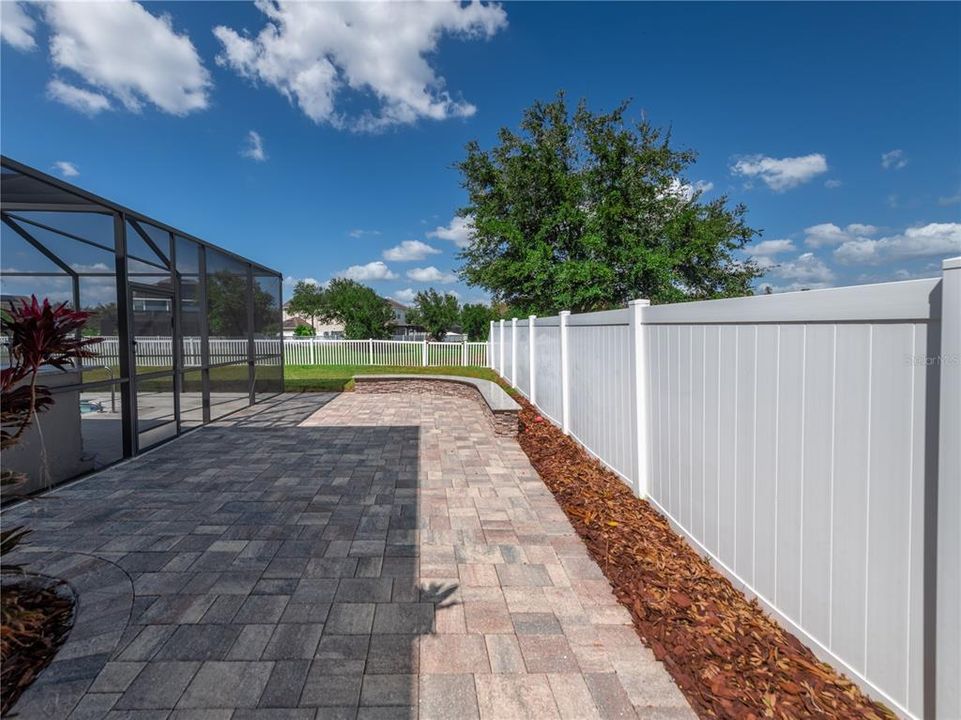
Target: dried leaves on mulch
36, 614
728, 657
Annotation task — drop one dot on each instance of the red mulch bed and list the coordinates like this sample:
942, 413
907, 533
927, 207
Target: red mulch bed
727, 656
36, 614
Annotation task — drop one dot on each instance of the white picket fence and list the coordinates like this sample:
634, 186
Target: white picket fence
808, 443
406, 353
158, 352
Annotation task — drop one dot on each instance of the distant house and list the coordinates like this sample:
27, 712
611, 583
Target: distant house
402, 330
330, 331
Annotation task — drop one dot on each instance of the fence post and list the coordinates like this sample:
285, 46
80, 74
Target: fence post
530, 360
500, 349
514, 352
565, 376
948, 593
312, 339
463, 353
639, 380
490, 347
424, 353
370, 351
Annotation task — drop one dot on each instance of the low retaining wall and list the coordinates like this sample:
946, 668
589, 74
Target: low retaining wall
503, 420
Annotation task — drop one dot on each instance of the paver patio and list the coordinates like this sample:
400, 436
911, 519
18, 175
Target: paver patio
334, 556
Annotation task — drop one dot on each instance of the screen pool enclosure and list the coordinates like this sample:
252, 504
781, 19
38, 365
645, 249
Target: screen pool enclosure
189, 331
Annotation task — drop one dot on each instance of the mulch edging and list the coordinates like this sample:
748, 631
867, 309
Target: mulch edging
37, 614
728, 657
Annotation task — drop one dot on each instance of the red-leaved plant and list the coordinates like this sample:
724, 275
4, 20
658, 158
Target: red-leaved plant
38, 335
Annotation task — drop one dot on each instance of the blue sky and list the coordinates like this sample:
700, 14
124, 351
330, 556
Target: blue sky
838, 125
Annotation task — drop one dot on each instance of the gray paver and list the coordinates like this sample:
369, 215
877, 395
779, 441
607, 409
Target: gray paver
220, 684
357, 556
158, 686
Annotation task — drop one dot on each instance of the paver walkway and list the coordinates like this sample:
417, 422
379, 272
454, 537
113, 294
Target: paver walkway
334, 556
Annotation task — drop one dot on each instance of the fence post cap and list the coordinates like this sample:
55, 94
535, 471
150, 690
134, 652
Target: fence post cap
643, 302
951, 263
565, 312
532, 317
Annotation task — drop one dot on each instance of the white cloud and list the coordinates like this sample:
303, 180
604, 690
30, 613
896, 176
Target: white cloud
933, 239
123, 51
410, 250
87, 102
358, 233
832, 183
686, 191
16, 26
375, 270
254, 147
405, 296
459, 231
314, 53
66, 169
950, 199
431, 274
830, 234
781, 174
894, 160
806, 270
768, 248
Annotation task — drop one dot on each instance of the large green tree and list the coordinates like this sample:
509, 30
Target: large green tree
307, 300
363, 313
475, 321
585, 211
436, 312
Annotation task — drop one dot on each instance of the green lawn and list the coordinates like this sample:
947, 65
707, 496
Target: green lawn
314, 378
303, 378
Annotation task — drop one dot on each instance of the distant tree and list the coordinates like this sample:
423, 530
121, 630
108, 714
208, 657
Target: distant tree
363, 313
436, 312
307, 300
475, 321
586, 211
304, 331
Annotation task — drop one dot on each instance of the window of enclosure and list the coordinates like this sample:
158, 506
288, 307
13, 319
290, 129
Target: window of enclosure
191, 399
268, 318
268, 377
188, 276
156, 419
227, 307
229, 389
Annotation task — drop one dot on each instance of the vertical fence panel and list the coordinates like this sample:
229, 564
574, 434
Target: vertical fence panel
547, 367
889, 494
765, 459
522, 372
600, 416
817, 461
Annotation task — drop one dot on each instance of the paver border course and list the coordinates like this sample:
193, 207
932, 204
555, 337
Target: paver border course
499, 407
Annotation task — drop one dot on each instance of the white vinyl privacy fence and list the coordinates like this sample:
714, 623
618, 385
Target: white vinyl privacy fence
808, 443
